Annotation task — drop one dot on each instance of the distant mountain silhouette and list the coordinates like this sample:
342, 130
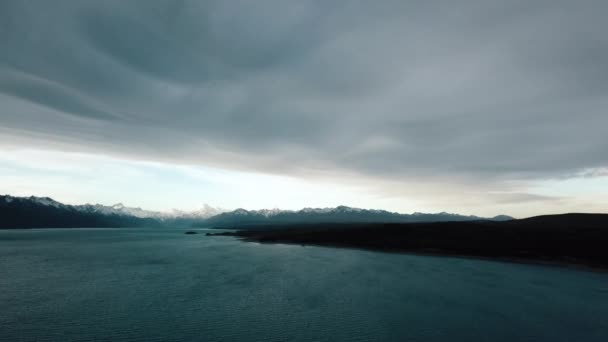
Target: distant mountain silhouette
341, 214
44, 212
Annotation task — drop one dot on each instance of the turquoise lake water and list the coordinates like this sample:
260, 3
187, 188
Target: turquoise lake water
162, 285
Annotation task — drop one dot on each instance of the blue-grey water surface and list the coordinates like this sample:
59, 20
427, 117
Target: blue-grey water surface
162, 285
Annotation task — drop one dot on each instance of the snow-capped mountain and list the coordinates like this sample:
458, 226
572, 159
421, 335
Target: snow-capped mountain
340, 214
116, 209
120, 209
205, 212
44, 201
42, 212
31, 212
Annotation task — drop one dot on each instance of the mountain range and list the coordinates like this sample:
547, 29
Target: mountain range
340, 214
44, 212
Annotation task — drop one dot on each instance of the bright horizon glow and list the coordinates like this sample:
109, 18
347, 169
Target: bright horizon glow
78, 178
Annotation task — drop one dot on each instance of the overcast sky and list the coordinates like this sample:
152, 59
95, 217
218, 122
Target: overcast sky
477, 107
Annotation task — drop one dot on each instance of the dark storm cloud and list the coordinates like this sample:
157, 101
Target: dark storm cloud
477, 89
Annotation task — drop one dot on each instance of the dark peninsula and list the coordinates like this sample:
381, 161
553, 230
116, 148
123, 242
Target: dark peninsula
574, 239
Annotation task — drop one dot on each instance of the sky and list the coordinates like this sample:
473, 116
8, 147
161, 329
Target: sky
478, 107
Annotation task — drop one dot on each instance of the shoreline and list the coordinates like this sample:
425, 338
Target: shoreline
577, 245
523, 261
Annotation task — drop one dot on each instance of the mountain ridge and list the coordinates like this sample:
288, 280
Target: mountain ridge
45, 212
340, 214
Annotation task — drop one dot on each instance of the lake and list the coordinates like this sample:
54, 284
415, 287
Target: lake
162, 285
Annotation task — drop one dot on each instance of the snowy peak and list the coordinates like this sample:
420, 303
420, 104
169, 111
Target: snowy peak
44, 212
43, 201
203, 213
211, 216
120, 209
46, 201
118, 206
206, 211
340, 214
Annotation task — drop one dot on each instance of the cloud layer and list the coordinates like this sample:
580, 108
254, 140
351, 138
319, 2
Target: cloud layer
472, 91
